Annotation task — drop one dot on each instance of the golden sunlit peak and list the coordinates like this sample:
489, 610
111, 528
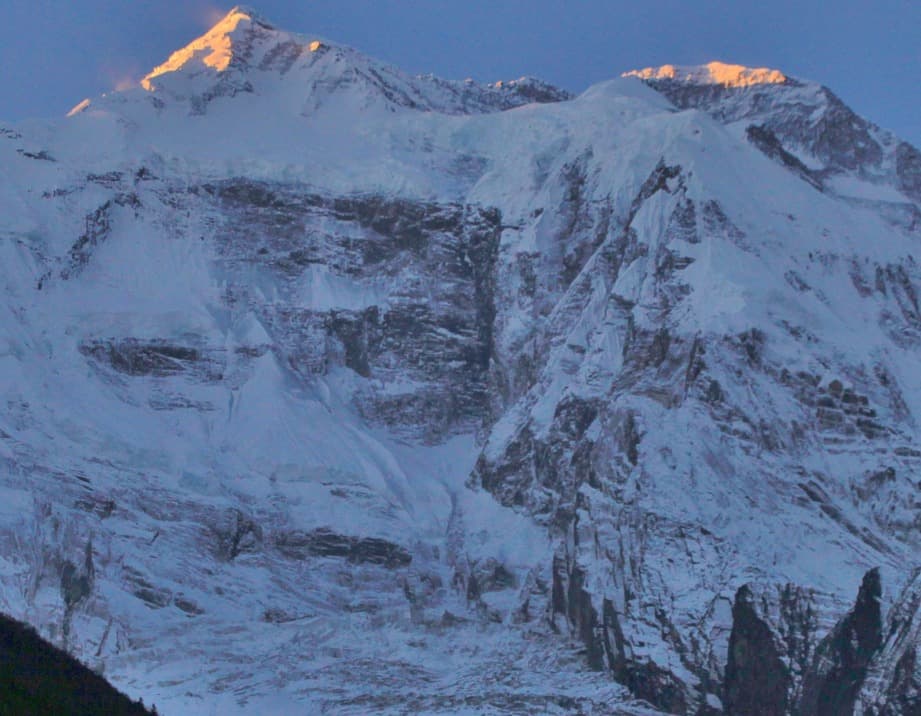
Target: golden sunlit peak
713, 73
214, 49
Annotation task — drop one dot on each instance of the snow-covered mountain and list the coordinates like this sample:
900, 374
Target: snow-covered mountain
324, 388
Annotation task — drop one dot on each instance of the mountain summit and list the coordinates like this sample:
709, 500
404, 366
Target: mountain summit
244, 53
216, 49
325, 388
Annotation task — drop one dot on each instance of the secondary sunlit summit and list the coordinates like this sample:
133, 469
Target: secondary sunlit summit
718, 73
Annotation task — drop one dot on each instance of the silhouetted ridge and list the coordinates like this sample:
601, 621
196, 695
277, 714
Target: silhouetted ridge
37, 678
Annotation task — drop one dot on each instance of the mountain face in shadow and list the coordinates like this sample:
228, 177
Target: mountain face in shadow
325, 388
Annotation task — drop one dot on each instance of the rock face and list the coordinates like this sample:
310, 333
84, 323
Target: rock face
770, 648
326, 387
842, 658
893, 682
430, 269
777, 664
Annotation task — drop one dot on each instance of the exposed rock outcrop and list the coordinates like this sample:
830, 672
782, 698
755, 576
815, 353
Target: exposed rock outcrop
892, 686
843, 657
770, 649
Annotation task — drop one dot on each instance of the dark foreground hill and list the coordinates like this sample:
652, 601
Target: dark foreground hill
37, 678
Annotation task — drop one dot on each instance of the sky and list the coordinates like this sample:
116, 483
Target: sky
54, 53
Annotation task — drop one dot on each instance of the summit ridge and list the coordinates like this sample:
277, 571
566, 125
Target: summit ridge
244, 54
718, 73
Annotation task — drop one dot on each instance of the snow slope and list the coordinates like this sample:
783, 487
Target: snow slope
327, 387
